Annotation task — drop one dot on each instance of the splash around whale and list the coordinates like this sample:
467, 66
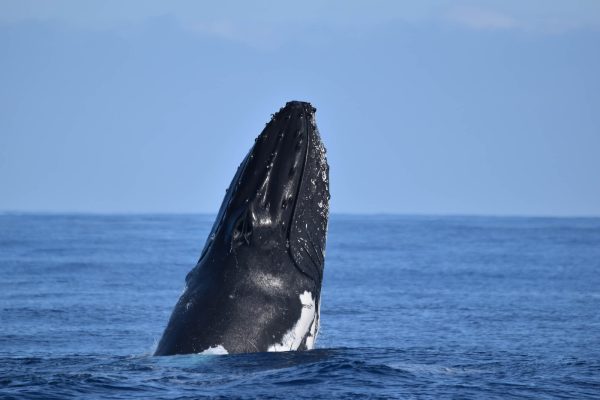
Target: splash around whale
257, 284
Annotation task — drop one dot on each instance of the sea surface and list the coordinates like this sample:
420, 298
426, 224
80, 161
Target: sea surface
412, 308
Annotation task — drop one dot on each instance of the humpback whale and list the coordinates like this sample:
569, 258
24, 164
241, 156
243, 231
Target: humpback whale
257, 284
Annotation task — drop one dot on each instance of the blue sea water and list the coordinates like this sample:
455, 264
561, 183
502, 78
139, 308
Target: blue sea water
412, 307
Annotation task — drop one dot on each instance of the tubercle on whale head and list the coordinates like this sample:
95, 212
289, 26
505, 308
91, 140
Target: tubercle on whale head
280, 191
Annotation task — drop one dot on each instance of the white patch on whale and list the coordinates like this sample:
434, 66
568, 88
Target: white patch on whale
268, 282
310, 339
294, 337
217, 350
314, 329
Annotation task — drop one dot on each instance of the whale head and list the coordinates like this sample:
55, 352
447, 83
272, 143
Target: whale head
278, 200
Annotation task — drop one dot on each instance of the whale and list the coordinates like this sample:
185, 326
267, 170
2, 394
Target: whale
257, 284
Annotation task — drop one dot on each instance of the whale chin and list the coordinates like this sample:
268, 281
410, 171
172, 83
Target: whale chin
257, 284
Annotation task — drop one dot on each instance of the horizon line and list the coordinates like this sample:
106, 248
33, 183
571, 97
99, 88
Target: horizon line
334, 214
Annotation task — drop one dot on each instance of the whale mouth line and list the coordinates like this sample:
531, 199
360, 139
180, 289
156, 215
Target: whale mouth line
296, 198
299, 184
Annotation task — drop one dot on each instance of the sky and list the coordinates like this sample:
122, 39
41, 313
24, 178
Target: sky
429, 107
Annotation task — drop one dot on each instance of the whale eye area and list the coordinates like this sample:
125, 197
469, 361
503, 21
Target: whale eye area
242, 229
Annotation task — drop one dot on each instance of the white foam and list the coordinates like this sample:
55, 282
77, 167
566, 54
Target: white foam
217, 350
293, 338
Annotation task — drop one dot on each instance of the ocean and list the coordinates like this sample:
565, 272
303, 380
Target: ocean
413, 307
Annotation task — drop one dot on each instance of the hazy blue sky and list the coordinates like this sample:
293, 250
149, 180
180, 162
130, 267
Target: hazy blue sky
426, 107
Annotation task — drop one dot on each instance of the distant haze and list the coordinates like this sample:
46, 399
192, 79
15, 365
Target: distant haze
435, 107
